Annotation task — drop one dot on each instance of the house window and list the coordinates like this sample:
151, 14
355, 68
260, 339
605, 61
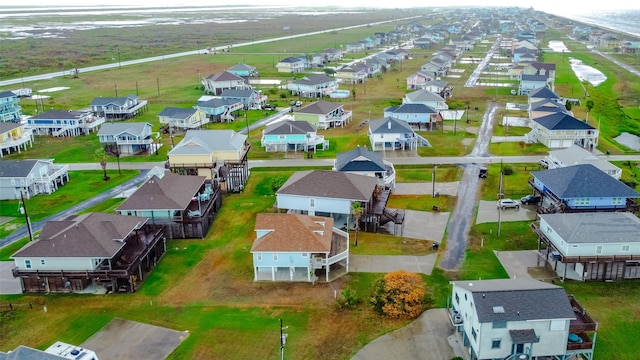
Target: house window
499, 325
495, 343
625, 248
259, 257
465, 296
305, 254
27, 264
43, 262
312, 202
275, 257
282, 137
473, 333
599, 249
457, 299
616, 201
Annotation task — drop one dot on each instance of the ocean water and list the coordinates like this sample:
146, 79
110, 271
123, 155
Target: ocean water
625, 21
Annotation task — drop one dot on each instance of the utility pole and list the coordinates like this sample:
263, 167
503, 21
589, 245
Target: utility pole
23, 210
433, 181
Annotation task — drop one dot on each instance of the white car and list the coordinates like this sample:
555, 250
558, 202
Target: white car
508, 203
544, 162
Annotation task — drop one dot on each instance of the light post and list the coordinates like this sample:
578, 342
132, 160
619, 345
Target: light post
283, 339
433, 181
23, 210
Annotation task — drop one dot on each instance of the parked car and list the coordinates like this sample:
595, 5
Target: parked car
483, 172
508, 203
530, 199
268, 107
544, 162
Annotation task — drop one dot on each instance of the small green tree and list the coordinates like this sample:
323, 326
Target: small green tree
589, 105
356, 207
101, 155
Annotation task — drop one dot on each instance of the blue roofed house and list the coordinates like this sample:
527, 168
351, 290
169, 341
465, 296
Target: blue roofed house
216, 83
9, 107
416, 115
291, 65
219, 110
30, 177
364, 162
561, 130
541, 68
286, 135
581, 188
250, 98
129, 138
521, 318
118, 108
313, 86
64, 123
542, 93
182, 118
296, 247
391, 134
602, 246
243, 70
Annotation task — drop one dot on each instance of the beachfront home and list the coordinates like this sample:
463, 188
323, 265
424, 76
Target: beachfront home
391, 134
591, 246
27, 178
118, 108
314, 86
216, 83
581, 188
14, 137
295, 247
64, 123
364, 162
182, 118
185, 205
219, 155
293, 135
520, 318
9, 107
323, 114
130, 138
92, 249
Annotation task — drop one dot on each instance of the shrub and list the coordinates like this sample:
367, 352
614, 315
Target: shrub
277, 182
399, 294
507, 170
348, 299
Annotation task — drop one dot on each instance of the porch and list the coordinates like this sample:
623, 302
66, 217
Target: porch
339, 117
16, 143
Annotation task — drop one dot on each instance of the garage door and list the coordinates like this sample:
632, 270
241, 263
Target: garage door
567, 143
555, 144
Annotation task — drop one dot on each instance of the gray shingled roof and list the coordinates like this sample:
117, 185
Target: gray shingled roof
583, 181
241, 67
359, 159
207, 142
423, 95
237, 93
26, 353
389, 125
411, 109
177, 113
95, 235
600, 227
523, 336
59, 114
540, 78
547, 105
543, 92
330, 184
316, 79
287, 127
320, 107
6, 94
562, 121
120, 101
517, 300
224, 76
170, 192
16, 168
133, 128
7, 126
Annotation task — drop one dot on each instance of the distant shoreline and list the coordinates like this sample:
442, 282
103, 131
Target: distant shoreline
603, 25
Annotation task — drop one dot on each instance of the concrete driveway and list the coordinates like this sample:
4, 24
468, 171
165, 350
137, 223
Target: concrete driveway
8, 284
429, 337
517, 263
388, 263
124, 339
423, 225
488, 213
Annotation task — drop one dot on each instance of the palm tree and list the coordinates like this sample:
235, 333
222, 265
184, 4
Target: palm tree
101, 155
357, 211
589, 105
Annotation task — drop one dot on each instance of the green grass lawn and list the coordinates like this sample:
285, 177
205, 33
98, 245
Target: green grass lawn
514, 185
517, 148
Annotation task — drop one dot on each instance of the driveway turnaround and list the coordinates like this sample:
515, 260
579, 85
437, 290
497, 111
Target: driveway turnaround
8, 284
124, 339
488, 213
426, 338
388, 263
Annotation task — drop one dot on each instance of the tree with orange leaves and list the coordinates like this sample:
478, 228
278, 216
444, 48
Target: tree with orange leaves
400, 294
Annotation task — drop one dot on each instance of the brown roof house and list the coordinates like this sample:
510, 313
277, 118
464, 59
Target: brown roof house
186, 205
333, 193
295, 247
90, 251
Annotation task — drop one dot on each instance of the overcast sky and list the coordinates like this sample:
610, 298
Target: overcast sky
552, 6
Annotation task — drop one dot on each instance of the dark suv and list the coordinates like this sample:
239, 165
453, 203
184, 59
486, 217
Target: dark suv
530, 200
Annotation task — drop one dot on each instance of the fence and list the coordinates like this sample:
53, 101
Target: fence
15, 306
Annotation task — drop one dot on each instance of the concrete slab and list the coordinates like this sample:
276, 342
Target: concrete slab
124, 339
389, 263
423, 225
501, 139
426, 188
8, 284
488, 212
427, 337
517, 263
